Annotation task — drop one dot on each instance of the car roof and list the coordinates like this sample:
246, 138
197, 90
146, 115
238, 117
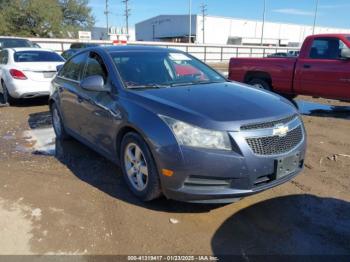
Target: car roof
18, 49
121, 48
12, 37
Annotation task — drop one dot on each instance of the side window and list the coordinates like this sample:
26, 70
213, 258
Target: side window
3, 57
73, 68
326, 48
95, 66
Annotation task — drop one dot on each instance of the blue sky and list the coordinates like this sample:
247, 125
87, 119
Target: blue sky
333, 13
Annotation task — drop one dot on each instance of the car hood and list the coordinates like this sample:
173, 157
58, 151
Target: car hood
220, 106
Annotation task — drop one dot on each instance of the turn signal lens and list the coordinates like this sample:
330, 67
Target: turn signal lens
167, 172
16, 74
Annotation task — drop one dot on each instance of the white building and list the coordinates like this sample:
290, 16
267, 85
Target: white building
225, 30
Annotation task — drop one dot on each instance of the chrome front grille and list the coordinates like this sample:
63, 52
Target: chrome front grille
270, 124
274, 145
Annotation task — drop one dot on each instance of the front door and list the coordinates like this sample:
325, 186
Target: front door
323, 72
99, 108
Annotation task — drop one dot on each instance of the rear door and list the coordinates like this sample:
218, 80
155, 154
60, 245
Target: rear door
323, 72
68, 85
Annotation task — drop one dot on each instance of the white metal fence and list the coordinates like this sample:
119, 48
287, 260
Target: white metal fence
207, 53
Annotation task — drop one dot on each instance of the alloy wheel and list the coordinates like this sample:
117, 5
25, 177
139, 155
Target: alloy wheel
136, 166
56, 122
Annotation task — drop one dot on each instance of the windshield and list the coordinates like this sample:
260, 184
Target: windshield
348, 37
11, 43
162, 69
37, 56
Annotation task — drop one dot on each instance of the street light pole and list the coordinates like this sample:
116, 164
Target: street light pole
263, 24
190, 29
315, 17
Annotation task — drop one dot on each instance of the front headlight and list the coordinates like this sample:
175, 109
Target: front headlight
194, 136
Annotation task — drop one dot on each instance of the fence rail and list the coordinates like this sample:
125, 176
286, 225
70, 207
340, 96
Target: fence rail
207, 53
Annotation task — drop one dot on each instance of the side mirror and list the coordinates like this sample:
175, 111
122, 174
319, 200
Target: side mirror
94, 83
59, 67
345, 53
0, 46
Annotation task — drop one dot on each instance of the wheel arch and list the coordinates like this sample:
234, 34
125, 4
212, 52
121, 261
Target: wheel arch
250, 75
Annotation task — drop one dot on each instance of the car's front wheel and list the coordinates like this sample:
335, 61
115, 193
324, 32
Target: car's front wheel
139, 168
57, 123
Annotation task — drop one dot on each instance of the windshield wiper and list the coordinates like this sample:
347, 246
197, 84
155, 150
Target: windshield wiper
147, 86
194, 83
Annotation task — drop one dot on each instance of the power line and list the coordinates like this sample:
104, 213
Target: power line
127, 14
263, 24
315, 17
190, 17
106, 14
204, 10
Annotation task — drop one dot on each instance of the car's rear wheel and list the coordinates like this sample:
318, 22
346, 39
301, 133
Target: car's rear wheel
57, 123
260, 83
8, 99
139, 168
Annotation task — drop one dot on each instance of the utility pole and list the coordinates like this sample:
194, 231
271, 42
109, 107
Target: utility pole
263, 25
107, 13
315, 17
126, 14
204, 14
190, 29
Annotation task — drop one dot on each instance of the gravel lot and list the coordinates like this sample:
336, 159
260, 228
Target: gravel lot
62, 198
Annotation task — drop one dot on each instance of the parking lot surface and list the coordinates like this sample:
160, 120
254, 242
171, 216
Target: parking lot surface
62, 198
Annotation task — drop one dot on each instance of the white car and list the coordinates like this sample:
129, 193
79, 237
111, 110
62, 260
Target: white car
27, 72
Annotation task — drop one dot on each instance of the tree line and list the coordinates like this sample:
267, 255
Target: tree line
45, 18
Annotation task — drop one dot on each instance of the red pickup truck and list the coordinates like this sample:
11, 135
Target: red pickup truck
321, 70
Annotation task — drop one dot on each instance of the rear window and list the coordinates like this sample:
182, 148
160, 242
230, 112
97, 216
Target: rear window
11, 43
37, 56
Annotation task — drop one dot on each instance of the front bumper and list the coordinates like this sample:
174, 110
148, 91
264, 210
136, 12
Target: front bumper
212, 176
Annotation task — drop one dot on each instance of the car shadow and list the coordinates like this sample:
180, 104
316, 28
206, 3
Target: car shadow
40, 120
107, 177
288, 225
322, 110
29, 102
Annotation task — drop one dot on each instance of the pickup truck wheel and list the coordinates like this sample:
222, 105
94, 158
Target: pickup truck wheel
260, 83
139, 168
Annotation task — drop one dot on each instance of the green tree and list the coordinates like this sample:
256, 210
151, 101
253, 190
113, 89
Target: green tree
44, 18
76, 16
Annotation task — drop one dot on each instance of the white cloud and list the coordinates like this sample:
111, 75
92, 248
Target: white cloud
293, 11
334, 6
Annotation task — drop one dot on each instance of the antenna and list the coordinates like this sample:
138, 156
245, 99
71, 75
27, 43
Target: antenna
106, 14
127, 14
204, 9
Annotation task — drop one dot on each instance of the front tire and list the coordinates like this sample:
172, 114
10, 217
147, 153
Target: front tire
139, 169
57, 123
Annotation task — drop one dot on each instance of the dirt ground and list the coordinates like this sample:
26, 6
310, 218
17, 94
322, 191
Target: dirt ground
65, 199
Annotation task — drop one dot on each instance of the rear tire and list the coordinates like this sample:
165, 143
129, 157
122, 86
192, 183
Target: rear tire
260, 83
139, 169
57, 123
8, 99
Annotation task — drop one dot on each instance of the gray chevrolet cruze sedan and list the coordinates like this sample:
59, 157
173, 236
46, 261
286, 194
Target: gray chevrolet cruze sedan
175, 126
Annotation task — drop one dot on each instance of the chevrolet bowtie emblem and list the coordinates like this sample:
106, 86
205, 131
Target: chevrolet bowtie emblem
280, 130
